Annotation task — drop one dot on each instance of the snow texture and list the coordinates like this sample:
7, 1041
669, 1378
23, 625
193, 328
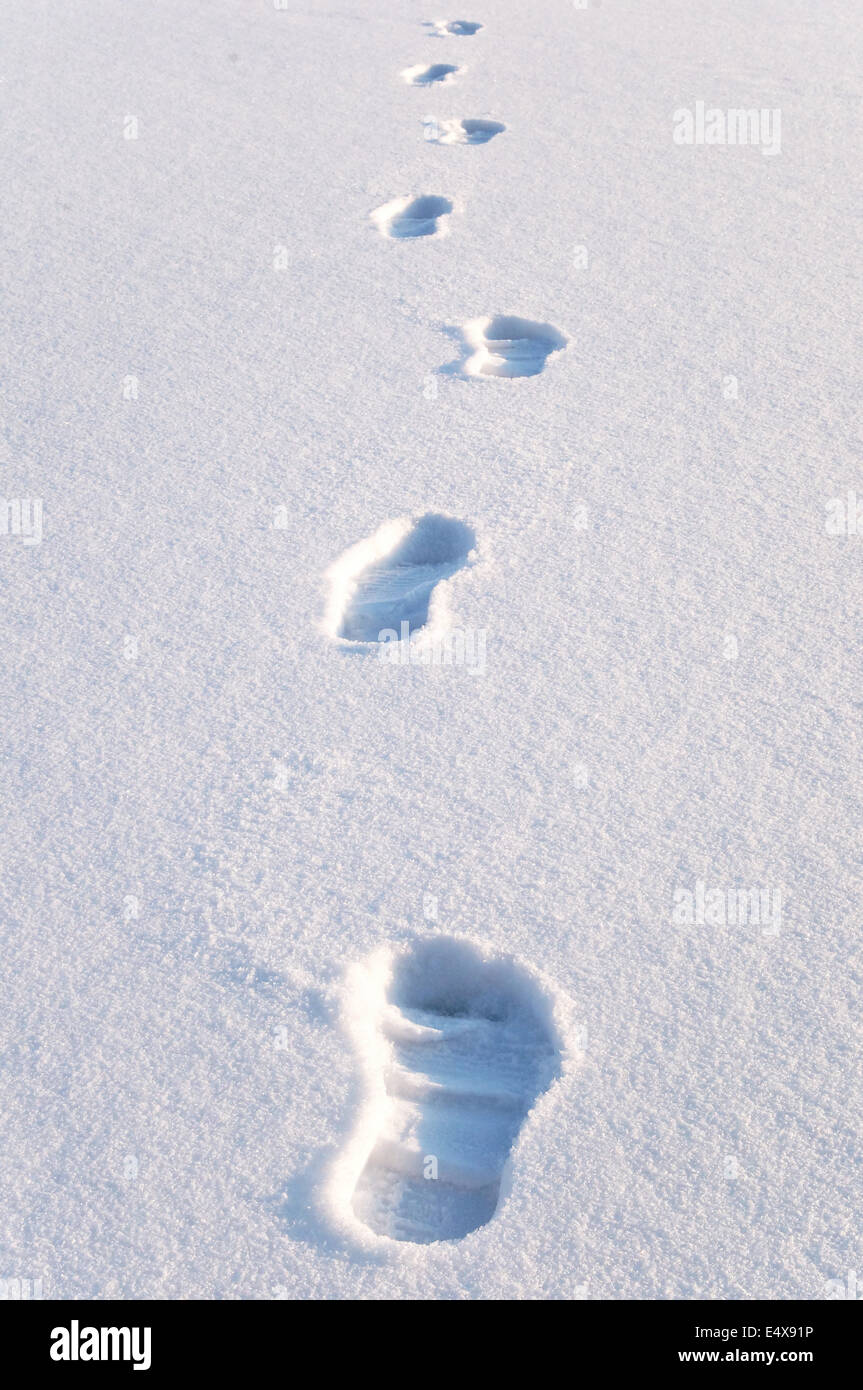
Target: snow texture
232, 837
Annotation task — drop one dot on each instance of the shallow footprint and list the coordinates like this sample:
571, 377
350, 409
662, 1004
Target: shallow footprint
508, 346
404, 218
467, 1047
422, 76
453, 28
470, 131
479, 132
389, 579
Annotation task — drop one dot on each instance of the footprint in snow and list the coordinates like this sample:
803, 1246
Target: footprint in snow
404, 218
389, 580
470, 131
507, 346
459, 1046
422, 76
453, 28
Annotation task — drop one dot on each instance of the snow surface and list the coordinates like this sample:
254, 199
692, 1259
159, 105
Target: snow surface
220, 378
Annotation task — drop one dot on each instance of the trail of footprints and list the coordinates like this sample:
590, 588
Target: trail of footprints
462, 1043
503, 346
